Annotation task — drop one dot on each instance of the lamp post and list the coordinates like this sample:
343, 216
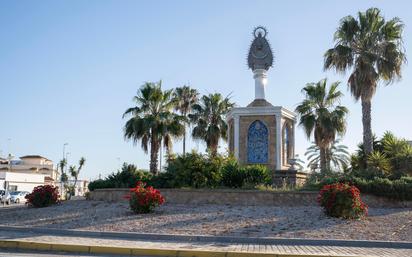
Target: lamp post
6, 184
64, 149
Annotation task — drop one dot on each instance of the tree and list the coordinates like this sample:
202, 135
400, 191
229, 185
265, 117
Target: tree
186, 98
152, 120
337, 155
371, 49
74, 172
209, 117
63, 177
321, 116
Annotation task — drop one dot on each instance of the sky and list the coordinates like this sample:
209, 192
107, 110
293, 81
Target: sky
69, 69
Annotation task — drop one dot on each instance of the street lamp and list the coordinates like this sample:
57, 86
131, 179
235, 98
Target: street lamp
6, 184
64, 149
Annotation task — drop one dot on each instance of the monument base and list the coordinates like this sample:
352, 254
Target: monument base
293, 178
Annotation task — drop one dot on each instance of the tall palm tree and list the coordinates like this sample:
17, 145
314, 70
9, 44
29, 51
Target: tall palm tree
371, 49
209, 117
152, 119
321, 115
186, 97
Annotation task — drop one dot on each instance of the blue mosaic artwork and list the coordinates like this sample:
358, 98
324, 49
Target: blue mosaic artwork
257, 143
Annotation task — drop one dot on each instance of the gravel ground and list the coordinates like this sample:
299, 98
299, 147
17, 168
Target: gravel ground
287, 222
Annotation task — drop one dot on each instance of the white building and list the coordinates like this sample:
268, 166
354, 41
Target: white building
81, 186
27, 173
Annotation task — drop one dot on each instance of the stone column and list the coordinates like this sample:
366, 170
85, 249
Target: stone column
278, 142
293, 139
236, 124
260, 76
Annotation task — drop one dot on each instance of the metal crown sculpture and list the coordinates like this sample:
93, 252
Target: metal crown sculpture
260, 54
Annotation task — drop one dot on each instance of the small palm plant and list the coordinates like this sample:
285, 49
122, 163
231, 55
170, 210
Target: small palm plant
338, 156
74, 172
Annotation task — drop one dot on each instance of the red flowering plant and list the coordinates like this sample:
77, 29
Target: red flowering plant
43, 196
143, 199
342, 200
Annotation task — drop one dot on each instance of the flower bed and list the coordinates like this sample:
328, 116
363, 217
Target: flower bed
43, 196
342, 200
143, 199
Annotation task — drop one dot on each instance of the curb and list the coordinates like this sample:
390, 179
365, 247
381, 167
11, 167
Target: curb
211, 239
27, 245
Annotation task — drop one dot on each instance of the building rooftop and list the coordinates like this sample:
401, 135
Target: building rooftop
34, 157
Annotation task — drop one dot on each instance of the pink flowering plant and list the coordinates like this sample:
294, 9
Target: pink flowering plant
144, 199
343, 201
43, 196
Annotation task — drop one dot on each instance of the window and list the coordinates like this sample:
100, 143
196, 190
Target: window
287, 143
257, 143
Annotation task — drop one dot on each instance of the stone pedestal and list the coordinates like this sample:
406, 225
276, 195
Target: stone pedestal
294, 178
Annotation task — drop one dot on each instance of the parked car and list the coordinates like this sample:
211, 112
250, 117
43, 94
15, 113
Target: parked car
18, 196
6, 198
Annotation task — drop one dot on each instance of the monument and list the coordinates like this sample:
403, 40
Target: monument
262, 133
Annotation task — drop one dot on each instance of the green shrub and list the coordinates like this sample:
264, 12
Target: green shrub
127, 177
99, 184
233, 176
342, 201
195, 170
398, 189
257, 175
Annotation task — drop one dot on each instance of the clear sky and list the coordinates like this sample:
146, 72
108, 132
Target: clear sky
69, 69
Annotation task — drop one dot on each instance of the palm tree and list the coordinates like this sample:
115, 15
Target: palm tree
186, 98
209, 117
63, 177
371, 49
320, 115
337, 155
74, 172
152, 120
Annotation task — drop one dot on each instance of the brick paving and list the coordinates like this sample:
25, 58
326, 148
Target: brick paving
203, 246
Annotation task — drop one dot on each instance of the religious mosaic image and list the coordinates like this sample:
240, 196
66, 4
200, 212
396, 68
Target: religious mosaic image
257, 143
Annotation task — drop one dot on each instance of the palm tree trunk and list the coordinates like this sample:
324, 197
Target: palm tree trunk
184, 141
74, 186
213, 149
153, 155
323, 161
367, 127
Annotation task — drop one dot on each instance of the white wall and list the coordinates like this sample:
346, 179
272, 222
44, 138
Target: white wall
23, 181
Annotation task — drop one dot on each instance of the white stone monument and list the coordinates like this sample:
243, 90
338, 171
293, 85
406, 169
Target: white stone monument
262, 133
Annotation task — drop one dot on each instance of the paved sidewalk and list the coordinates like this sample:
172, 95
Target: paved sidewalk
129, 246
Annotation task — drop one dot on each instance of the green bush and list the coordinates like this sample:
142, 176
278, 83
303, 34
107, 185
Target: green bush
127, 177
398, 189
195, 170
257, 175
192, 170
233, 176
